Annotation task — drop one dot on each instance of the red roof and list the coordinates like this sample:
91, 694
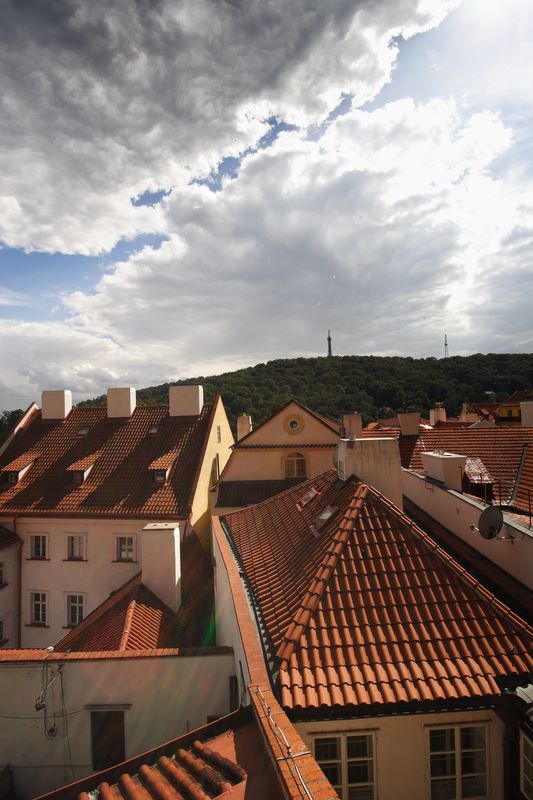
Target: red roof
500, 450
371, 611
134, 618
120, 483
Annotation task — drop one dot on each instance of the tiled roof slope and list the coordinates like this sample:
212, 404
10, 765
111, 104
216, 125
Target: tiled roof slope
372, 611
226, 758
500, 450
120, 483
245, 493
134, 618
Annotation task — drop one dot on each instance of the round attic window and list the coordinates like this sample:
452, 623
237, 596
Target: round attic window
294, 424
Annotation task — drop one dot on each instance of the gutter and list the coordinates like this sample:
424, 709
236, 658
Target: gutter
19, 590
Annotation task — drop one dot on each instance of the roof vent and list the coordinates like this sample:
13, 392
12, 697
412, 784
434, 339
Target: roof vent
56, 404
152, 429
121, 402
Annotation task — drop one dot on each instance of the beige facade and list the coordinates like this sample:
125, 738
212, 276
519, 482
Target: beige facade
156, 699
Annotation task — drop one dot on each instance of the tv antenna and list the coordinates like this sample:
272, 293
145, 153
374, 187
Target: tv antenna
490, 524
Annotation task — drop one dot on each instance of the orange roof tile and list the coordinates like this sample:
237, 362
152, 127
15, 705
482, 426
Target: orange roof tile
372, 611
119, 483
500, 450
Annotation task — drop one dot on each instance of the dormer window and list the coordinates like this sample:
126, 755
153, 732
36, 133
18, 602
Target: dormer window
160, 475
78, 477
80, 470
320, 521
13, 477
16, 470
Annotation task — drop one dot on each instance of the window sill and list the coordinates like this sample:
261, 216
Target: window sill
37, 625
76, 560
124, 561
37, 558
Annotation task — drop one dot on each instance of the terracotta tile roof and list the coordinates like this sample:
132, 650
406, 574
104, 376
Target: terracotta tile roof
7, 537
83, 463
476, 471
518, 397
500, 450
245, 493
523, 498
134, 618
120, 483
372, 611
225, 758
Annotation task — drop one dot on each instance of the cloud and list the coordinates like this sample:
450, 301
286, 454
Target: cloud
101, 102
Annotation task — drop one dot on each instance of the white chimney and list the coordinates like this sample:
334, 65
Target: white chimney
185, 401
161, 561
409, 423
56, 404
375, 461
121, 402
437, 414
448, 468
244, 425
353, 425
526, 413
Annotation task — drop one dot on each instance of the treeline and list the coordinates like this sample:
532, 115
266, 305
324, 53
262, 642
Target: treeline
376, 387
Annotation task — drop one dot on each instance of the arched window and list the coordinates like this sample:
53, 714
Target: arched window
295, 466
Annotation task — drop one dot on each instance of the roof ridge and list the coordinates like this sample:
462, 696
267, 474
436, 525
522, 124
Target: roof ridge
128, 619
320, 580
213, 408
463, 573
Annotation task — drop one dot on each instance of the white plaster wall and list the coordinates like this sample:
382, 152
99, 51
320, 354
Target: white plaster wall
96, 578
9, 594
168, 696
402, 753
457, 512
228, 631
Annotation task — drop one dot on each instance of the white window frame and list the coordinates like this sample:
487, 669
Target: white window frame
82, 537
71, 623
343, 761
43, 602
118, 538
33, 549
526, 758
458, 752
293, 463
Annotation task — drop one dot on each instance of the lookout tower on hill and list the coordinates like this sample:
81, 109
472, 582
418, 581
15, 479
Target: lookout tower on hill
329, 344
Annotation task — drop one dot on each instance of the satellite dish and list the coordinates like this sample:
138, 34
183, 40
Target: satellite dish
490, 522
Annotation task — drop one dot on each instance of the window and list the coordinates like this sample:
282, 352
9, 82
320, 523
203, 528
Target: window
125, 548
75, 547
458, 762
12, 478
78, 477
219, 434
295, 466
38, 607
526, 766
347, 760
75, 609
160, 475
38, 546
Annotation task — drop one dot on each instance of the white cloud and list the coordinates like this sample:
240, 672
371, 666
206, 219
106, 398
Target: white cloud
102, 101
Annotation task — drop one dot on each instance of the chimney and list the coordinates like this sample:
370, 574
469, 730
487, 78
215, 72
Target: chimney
352, 425
185, 401
526, 414
244, 425
373, 461
437, 414
447, 468
56, 404
409, 423
161, 562
121, 402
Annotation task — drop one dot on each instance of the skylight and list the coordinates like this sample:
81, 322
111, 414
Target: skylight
153, 429
83, 431
307, 497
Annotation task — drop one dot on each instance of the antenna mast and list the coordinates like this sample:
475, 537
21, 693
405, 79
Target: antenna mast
445, 346
329, 344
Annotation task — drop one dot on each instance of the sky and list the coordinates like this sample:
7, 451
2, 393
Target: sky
192, 187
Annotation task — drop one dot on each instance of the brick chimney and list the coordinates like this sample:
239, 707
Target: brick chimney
161, 561
185, 401
375, 461
56, 404
244, 425
437, 414
121, 402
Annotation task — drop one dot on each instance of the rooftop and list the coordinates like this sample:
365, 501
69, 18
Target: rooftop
122, 452
368, 609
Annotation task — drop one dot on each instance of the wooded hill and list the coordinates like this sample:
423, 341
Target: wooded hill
376, 387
